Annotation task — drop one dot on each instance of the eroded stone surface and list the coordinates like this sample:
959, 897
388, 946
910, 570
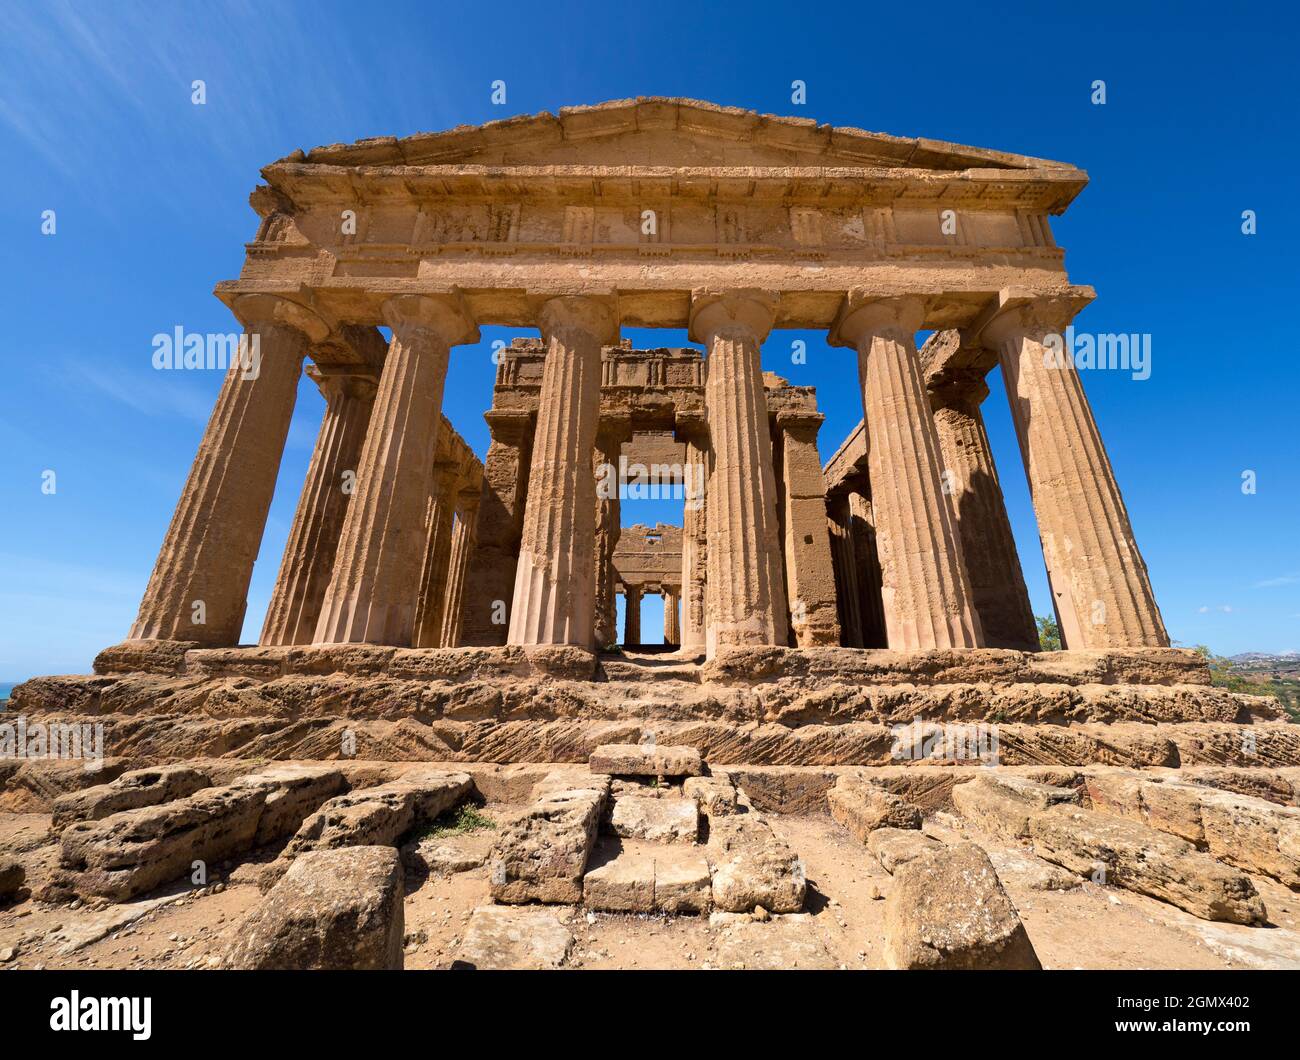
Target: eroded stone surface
752, 867
862, 807
665, 820
333, 909
542, 855
506, 937
947, 909
645, 760
139, 787
897, 846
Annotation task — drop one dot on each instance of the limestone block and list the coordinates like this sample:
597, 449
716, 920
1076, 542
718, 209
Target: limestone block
505, 937
333, 909
667, 820
292, 793
861, 807
12, 875
1144, 860
1028, 872
752, 867
683, 883
947, 910
897, 846
645, 760
542, 855
381, 815
134, 851
1002, 804
623, 884
712, 795
140, 787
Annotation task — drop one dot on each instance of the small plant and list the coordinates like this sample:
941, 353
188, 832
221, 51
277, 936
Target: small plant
1049, 633
466, 818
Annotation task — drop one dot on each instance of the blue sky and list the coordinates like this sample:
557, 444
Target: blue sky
150, 194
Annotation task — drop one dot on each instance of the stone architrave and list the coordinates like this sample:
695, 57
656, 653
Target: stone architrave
747, 604
1099, 580
925, 591
554, 596
308, 561
199, 587
372, 596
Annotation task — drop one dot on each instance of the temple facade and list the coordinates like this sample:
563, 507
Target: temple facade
654, 213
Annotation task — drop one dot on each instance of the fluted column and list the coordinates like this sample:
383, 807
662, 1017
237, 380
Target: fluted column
672, 631
308, 560
499, 524
199, 587
609, 446
997, 583
431, 599
866, 555
554, 596
631, 616
924, 588
844, 564
809, 574
372, 596
695, 542
462, 548
747, 597
1099, 580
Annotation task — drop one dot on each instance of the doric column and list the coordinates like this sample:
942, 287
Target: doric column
971, 480
809, 575
672, 630
308, 561
848, 599
431, 599
1099, 581
491, 575
554, 596
695, 539
925, 591
867, 557
372, 596
199, 587
631, 616
610, 436
747, 597
462, 548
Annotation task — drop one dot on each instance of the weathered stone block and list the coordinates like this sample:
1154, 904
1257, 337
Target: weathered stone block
666, 820
897, 846
645, 760
504, 937
1002, 804
542, 855
623, 884
752, 867
12, 875
333, 909
862, 807
712, 795
947, 910
139, 787
683, 883
1144, 860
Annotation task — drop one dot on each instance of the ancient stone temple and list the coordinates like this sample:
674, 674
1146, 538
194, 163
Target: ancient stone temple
412, 564
850, 638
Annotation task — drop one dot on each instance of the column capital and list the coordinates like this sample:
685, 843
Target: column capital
749, 310
965, 389
254, 310
442, 312
1016, 311
337, 380
862, 315
591, 315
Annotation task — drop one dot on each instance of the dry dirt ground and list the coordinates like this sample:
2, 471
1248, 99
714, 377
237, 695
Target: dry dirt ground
1087, 926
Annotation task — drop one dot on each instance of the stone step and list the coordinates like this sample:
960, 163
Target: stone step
672, 818
616, 669
631, 877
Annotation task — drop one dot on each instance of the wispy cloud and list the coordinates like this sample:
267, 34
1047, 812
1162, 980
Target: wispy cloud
1273, 583
1205, 609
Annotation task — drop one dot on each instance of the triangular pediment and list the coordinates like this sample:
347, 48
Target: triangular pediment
665, 132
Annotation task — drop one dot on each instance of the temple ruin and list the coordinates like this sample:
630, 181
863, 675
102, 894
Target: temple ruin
849, 636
